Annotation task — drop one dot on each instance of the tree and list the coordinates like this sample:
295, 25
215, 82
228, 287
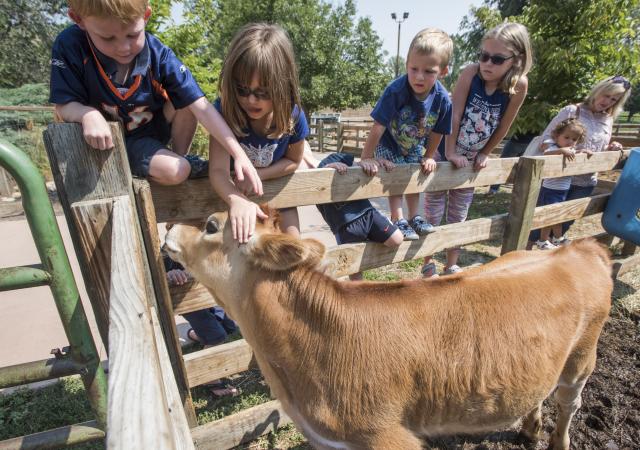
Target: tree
339, 58
633, 104
576, 43
27, 31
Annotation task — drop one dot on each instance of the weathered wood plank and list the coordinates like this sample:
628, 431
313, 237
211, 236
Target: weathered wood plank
310, 187
151, 240
142, 420
84, 174
571, 210
181, 427
93, 231
241, 427
216, 362
523, 203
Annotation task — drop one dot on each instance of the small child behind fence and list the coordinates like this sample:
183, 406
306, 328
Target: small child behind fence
564, 138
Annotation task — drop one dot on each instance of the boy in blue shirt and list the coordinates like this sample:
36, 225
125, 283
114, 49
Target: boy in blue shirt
410, 118
106, 67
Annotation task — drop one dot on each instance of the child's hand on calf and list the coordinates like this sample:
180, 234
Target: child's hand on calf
247, 176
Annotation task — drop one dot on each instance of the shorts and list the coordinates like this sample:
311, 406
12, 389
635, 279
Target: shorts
551, 196
371, 226
412, 157
143, 144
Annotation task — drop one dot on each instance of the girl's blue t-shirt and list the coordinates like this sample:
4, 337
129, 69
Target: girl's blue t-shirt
481, 118
263, 151
408, 120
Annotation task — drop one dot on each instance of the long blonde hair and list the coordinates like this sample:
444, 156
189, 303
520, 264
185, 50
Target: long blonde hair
516, 38
125, 11
264, 50
610, 86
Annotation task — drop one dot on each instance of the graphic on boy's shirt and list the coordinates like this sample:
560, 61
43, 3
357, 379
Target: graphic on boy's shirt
479, 122
260, 156
410, 128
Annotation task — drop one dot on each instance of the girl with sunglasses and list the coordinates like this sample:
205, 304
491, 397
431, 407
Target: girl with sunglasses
597, 113
260, 101
486, 100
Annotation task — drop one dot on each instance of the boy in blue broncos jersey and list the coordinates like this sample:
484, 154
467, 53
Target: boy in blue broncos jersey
410, 118
106, 67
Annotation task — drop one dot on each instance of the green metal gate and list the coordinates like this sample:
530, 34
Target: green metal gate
55, 271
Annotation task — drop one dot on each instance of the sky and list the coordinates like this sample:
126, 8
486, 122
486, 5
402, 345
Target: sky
445, 15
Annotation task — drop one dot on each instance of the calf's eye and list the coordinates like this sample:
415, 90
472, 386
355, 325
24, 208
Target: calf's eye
211, 227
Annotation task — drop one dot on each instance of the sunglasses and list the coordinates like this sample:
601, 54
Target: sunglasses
498, 60
619, 79
259, 93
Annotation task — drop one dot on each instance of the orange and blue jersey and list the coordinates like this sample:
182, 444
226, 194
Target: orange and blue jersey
80, 73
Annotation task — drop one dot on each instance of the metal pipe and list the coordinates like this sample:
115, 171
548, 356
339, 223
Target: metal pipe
23, 277
48, 240
56, 438
31, 372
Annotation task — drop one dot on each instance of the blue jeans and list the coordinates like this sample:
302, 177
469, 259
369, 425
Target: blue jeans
211, 325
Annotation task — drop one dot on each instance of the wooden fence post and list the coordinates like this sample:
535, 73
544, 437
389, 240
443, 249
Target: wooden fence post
526, 189
6, 183
320, 133
339, 137
88, 182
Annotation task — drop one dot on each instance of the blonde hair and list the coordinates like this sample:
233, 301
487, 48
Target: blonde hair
124, 10
516, 38
433, 41
571, 124
264, 50
610, 86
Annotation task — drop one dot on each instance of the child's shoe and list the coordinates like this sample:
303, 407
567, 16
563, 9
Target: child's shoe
421, 226
545, 245
429, 271
199, 166
451, 270
407, 231
560, 241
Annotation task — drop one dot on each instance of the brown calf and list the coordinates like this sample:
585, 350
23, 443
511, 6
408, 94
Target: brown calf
368, 365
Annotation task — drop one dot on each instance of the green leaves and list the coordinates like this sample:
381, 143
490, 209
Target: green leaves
339, 58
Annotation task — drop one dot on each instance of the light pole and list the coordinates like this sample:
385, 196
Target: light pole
405, 15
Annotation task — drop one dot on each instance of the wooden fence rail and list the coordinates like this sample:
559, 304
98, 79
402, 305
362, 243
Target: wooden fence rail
98, 196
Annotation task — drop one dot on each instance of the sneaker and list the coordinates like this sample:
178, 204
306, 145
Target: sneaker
545, 245
561, 241
429, 271
407, 231
451, 270
199, 166
421, 226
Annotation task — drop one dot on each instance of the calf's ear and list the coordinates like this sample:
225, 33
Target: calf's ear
278, 252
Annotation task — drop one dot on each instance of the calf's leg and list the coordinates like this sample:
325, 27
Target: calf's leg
532, 424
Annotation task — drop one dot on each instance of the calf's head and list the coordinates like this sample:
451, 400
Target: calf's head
209, 252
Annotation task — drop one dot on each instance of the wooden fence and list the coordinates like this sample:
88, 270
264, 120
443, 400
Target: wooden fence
350, 136
113, 221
